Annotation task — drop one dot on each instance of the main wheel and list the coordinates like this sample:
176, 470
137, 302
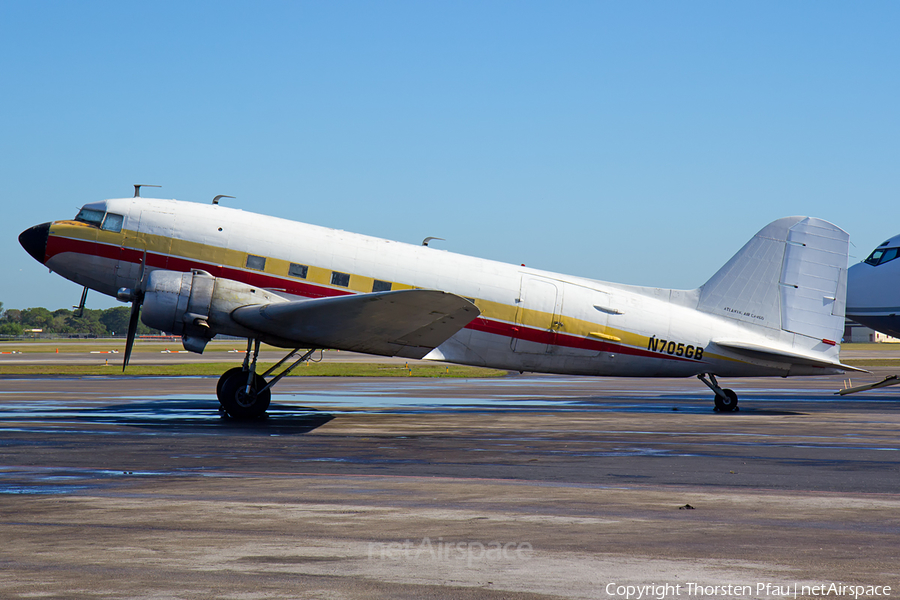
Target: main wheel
226, 375
236, 401
728, 402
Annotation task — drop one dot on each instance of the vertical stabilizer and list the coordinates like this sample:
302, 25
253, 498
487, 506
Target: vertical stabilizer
791, 276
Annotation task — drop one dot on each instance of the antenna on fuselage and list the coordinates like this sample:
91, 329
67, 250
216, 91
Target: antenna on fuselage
138, 186
429, 238
216, 199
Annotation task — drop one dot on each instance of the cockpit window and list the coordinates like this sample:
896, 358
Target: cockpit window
90, 216
882, 255
112, 222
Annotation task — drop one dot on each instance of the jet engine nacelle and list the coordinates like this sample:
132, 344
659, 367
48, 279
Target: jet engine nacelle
198, 306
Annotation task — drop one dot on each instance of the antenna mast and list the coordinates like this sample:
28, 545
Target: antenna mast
138, 186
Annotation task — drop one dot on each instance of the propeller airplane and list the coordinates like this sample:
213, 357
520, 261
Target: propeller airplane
200, 270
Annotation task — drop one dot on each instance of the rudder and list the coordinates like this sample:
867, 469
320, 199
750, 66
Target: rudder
791, 276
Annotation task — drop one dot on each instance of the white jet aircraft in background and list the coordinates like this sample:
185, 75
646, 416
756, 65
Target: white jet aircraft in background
873, 300
873, 290
198, 270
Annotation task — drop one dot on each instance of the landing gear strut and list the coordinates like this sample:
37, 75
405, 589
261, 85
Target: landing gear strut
726, 399
243, 393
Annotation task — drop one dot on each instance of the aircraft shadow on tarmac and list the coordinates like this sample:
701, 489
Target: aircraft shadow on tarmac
676, 403
187, 415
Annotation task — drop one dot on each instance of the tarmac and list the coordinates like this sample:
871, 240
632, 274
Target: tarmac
520, 487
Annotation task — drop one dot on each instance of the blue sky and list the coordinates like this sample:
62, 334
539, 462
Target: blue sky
641, 142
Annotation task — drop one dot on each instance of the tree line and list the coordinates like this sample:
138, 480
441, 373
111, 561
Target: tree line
92, 323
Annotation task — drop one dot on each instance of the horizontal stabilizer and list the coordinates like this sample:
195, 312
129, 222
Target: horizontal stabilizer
785, 356
406, 323
886, 382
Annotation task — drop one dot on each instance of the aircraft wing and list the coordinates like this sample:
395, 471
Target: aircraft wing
407, 323
779, 355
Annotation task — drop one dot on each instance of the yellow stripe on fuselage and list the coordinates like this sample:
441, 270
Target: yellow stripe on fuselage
321, 276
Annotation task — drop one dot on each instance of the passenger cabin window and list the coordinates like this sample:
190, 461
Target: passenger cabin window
112, 222
341, 279
296, 270
256, 262
882, 255
381, 286
90, 216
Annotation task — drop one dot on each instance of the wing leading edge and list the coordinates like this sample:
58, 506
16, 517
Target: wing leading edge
405, 323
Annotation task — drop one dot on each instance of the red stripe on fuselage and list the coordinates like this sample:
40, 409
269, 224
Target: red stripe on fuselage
58, 245
555, 338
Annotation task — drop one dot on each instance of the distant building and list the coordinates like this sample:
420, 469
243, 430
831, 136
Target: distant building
856, 333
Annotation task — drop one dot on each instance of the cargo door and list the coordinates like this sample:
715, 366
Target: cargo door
131, 251
147, 232
537, 316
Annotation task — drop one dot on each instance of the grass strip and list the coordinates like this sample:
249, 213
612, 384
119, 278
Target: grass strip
329, 369
873, 362
871, 346
66, 347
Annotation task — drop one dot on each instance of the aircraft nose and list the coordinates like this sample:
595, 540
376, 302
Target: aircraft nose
34, 240
861, 286
853, 276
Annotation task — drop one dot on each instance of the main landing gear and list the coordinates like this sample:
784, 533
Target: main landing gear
243, 393
726, 399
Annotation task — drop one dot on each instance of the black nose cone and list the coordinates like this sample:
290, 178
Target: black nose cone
34, 240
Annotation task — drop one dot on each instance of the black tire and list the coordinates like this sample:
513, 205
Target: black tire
728, 402
226, 375
236, 402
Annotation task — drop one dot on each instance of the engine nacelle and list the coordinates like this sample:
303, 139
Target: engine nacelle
198, 306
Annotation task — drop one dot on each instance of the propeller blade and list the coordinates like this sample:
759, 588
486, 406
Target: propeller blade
132, 330
138, 299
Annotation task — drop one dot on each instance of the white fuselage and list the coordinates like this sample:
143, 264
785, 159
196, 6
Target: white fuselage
531, 320
873, 289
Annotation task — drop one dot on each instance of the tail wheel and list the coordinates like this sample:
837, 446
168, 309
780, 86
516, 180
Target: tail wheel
237, 402
727, 401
